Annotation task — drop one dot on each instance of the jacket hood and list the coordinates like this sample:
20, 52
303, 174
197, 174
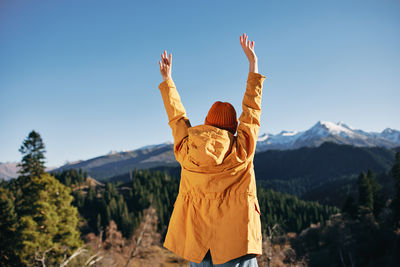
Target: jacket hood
208, 145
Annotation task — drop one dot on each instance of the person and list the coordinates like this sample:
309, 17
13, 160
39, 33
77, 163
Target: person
216, 215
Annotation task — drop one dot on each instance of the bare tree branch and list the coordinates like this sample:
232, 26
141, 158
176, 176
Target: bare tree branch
43, 258
95, 260
76, 253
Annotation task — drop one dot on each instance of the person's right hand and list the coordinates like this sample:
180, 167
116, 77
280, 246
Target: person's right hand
165, 65
248, 48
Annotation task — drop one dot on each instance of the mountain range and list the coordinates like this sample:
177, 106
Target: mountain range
118, 163
323, 131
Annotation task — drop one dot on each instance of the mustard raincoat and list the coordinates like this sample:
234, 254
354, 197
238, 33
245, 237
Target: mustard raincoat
217, 206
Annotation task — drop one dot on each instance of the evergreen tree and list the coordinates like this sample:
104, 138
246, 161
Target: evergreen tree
365, 192
8, 226
350, 206
396, 200
98, 223
47, 222
49, 227
33, 150
378, 199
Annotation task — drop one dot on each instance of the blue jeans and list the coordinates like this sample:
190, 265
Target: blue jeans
248, 260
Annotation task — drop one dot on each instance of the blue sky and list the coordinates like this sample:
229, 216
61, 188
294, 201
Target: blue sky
85, 74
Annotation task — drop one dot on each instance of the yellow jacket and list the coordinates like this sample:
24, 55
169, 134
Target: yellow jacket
217, 206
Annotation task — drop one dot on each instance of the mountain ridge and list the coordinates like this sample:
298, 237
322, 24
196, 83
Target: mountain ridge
324, 131
150, 156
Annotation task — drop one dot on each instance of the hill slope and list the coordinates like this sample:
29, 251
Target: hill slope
104, 167
298, 171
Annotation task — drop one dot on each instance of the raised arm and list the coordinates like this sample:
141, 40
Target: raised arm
177, 118
249, 120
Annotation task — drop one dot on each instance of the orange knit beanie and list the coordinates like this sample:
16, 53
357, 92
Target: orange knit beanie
222, 115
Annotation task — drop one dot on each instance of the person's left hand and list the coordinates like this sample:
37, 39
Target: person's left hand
165, 65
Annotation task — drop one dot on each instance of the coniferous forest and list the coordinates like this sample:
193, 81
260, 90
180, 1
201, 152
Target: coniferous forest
44, 217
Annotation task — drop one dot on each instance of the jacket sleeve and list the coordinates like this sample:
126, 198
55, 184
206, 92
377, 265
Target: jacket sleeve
177, 118
249, 120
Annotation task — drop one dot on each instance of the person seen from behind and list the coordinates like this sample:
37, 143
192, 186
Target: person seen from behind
216, 215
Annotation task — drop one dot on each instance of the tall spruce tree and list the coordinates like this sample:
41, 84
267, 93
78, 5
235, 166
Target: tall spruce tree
366, 198
378, 199
47, 222
350, 206
396, 199
33, 150
8, 226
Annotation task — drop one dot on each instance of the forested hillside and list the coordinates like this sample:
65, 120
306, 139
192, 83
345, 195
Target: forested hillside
327, 173
328, 155
103, 167
125, 202
46, 218
301, 170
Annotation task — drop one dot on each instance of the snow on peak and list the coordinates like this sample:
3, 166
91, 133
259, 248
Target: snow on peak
332, 128
341, 123
288, 133
155, 146
388, 131
391, 134
324, 130
263, 137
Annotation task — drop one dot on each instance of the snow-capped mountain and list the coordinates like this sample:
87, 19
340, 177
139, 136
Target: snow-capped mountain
119, 162
324, 131
391, 134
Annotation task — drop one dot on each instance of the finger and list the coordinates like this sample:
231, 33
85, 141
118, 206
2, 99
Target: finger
170, 59
166, 58
159, 62
252, 45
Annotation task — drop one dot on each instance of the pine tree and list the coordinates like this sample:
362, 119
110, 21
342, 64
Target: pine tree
378, 199
98, 223
49, 225
33, 150
350, 206
47, 222
8, 226
365, 192
396, 200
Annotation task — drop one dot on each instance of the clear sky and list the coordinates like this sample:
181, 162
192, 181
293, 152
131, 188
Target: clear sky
85, 74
